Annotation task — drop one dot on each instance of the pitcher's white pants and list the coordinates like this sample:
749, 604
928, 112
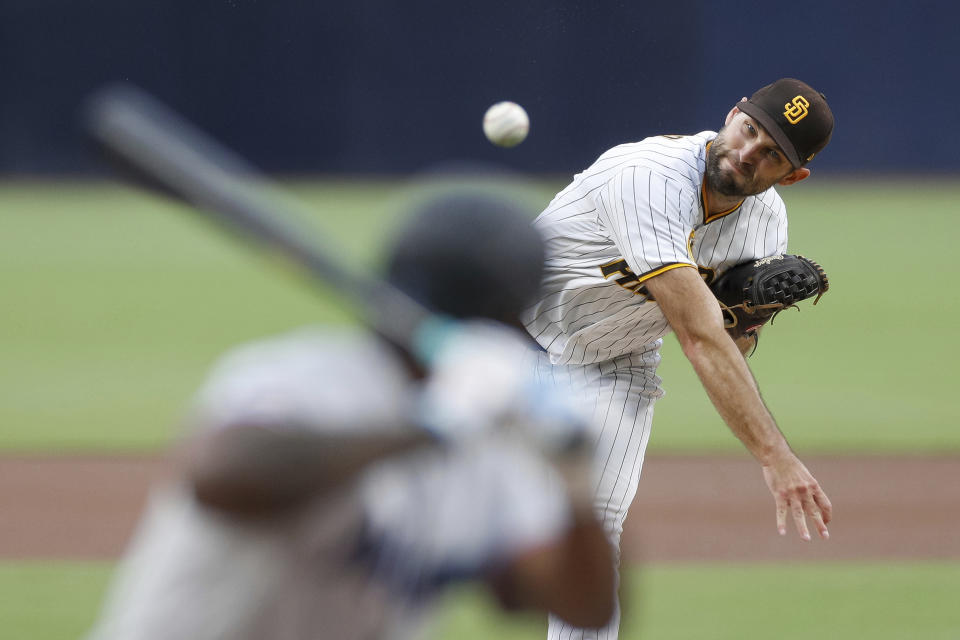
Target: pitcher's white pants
620, 393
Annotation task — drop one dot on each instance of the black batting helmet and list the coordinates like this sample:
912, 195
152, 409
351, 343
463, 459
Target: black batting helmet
468, 254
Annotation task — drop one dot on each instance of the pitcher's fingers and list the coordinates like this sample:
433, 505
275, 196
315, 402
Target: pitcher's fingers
818, 520
781, 515
798, 518
826, 508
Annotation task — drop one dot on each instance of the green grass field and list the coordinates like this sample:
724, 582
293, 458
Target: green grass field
116, 304
695, 602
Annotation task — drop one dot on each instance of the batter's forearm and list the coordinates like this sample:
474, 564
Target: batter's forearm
253, 470
573, 578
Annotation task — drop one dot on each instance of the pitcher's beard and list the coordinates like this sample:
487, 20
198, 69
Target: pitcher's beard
720, 181
725, 182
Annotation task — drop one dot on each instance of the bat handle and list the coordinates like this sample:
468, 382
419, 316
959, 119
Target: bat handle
431, 336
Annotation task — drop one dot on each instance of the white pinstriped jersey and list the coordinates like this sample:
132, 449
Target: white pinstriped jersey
638, 211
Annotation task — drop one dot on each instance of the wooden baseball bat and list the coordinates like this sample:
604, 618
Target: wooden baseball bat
169, 154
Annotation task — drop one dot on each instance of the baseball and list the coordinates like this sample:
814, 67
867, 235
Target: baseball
506, 124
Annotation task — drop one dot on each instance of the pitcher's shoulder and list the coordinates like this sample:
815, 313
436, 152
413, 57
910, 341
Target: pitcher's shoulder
669, 155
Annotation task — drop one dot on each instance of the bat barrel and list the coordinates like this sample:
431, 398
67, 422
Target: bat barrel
169, 153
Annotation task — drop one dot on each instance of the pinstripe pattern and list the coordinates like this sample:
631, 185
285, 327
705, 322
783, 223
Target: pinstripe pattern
620, 394
634, 213
639, 202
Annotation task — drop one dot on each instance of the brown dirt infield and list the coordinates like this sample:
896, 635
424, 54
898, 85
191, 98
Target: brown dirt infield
687, 509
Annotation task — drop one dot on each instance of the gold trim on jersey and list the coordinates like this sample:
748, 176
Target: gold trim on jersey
631, 281
704, 202
707, 273
664, 269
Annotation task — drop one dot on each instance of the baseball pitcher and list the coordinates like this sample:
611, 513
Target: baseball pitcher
632, 245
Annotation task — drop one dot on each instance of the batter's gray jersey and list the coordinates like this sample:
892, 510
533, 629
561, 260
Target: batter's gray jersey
356, 564
637, 212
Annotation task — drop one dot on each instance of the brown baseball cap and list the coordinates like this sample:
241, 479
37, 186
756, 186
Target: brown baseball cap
795, 115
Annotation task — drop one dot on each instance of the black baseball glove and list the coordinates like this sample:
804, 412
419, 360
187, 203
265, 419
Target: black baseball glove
752, 293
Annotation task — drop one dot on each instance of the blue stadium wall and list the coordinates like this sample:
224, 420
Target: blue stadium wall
379, 87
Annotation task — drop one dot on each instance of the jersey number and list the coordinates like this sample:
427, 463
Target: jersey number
628, 279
